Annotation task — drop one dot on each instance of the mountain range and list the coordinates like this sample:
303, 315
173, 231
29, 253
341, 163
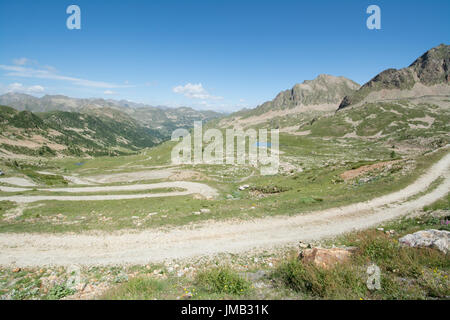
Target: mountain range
428, 75
57, 124
412, 103
296, 110
163, 119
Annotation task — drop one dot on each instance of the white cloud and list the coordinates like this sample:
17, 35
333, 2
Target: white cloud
36, 89
109, 92
15, 87
21, 61
49, 73
195, 91
18, 87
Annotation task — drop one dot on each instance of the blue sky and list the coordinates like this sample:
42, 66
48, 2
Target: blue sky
214, 54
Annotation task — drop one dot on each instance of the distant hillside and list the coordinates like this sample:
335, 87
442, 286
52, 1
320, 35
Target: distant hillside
422, 121
163, 119
71, 133
428, 75
322, 94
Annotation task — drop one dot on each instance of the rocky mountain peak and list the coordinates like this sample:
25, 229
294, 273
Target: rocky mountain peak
430, 69
324, 89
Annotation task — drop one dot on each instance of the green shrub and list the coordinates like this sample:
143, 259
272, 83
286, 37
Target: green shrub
223, 280
270, 189
60, 291
390, 256
47, 179
137, 289
340, 282
5, 206
442, 204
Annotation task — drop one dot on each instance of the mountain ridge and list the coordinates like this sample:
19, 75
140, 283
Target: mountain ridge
324, 89
430, 69
322, 94
164, 119
71, 133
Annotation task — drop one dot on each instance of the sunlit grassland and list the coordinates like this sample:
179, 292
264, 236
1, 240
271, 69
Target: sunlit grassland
290, 194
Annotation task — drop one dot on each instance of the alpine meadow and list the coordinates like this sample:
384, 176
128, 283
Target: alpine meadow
153, 159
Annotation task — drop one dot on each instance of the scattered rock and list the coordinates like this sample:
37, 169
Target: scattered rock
260, 285
254, 276
204, 210
245, 186
304, 245
180, 273
380, 229
186, 296
432, 238
15, 270
326, 258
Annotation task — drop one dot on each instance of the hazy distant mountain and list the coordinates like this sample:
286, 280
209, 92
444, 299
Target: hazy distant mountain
429, 75
163, 119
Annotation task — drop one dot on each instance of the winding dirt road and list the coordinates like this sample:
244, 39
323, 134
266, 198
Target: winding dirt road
191, 188
211, 238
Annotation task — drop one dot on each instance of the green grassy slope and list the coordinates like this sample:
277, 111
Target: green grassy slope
79, 133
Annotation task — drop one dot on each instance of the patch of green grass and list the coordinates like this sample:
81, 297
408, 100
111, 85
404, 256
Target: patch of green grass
59, 291
341, 282
159, 155
442, 204
223, 280
406, 273
45, 179
43, 192
138, 289
5, 206
269, 189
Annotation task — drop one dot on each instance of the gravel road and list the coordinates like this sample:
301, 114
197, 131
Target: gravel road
211, 238
191, 188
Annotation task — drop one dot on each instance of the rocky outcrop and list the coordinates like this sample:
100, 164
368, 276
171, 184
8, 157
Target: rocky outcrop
326, 258
325, 89
427, 239
432, 68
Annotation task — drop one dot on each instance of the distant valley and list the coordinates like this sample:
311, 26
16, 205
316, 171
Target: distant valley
68, 126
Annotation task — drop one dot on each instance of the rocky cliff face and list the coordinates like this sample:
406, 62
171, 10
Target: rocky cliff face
312, 97
325, 89
432, 68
